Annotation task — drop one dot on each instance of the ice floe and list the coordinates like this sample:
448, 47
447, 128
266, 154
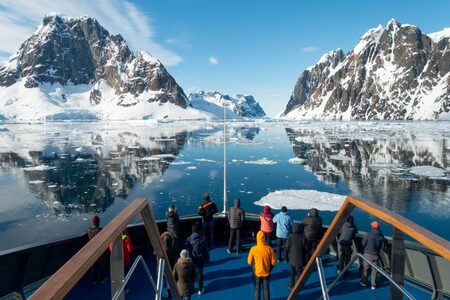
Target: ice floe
205, 160
180, 162
302, 199
427, 171
263, 161
297, 160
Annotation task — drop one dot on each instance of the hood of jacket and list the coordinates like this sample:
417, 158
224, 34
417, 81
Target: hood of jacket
313, 212
297, 228
260, 238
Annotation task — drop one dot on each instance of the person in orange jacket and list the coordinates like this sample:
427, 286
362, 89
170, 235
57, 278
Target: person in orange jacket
262, 258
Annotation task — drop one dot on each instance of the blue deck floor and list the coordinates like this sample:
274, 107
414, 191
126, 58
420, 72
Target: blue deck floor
228, 276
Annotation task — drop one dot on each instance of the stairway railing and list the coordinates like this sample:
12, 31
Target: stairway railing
60, 283
400, 225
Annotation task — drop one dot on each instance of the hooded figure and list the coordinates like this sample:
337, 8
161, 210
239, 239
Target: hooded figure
262, 258
184, 274
347, 231
236, 218
295, 248
312, 230
266, 219
172, 219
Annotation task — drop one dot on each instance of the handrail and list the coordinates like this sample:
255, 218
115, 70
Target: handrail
425, 237
60, 283
141, 260
373, 265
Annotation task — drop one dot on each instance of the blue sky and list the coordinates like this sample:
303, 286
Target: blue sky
250, 47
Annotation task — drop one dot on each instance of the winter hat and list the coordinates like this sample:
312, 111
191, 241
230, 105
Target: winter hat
172, 207
283, 209
375, 225
184, 254
267, 209
206, 196
96, 220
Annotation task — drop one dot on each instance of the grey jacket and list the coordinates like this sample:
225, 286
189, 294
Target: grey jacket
236, 215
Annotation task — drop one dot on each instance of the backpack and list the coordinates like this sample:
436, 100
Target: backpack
199, 247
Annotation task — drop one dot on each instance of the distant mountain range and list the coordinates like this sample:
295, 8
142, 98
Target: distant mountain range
395, 72
73, 68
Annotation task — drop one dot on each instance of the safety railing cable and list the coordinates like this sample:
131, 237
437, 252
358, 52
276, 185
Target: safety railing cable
373, 265
138, 260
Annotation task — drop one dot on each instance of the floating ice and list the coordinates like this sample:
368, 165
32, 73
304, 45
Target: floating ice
36, 182
205, 160
180, 162
297, 160
302, 199
191, 168
39, 168
427, 171
263, 161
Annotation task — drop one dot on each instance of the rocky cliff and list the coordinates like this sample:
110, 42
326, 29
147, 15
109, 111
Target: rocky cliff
395, 72
76, 64
237, 106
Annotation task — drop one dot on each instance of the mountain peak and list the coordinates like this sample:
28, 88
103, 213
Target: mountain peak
393, 24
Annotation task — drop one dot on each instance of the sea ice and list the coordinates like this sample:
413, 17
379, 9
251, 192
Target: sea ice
205, 160
302, 199
427, 171
263, 161
297, 160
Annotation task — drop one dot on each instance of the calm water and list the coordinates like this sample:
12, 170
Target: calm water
54, 177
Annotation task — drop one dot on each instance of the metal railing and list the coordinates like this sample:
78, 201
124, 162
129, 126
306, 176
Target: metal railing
373, 265
400, 225
61, 282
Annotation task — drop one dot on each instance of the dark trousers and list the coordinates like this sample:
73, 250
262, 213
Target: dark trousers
366, 266
99, 269
293, 269
208, 232
264, 282
235, 232
345, 255
268, 237
280, 248
310, 248
199, 268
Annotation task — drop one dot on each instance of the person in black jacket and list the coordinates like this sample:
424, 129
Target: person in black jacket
236, 218
312, 230
372, 242
199, 252
295, 249
207, 210
172, 220
348, 231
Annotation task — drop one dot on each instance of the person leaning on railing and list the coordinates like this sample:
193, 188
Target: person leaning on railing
313, 231
207, 210
348, 232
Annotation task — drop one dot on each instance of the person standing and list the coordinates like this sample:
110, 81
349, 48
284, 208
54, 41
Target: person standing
168, 242
126, 250
295, 249
236, 218
199, 252
99, 269
207, 210
266, 219
172, 220
184, 275
284, 226
262, 258
348, 232
372, 242
312, 230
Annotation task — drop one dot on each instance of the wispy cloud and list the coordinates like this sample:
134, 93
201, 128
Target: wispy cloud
310, 49
213, 60
20, 18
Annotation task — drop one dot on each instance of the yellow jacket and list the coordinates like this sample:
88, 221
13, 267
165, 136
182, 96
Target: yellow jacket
261, 257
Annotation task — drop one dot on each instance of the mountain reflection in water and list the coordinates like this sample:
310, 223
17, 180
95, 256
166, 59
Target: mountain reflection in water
55, 176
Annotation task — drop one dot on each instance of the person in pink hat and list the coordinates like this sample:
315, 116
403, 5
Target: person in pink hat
372, 242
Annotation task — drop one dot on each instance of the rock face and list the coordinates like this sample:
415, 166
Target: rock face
237, 105
79, 52
395, 72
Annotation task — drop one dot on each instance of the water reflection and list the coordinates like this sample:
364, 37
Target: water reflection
379, 165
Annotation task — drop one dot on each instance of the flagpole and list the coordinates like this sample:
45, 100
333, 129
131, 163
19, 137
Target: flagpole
224, 158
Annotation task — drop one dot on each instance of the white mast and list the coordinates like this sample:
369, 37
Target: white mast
224, 157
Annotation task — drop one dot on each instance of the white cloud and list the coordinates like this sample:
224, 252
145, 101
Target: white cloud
213, 60
310, 49
20, 18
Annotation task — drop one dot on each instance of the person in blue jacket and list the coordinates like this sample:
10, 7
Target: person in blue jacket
284, 226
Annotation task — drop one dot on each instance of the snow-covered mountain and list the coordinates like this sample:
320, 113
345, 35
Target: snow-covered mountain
395, 72
73, 68
238, 106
